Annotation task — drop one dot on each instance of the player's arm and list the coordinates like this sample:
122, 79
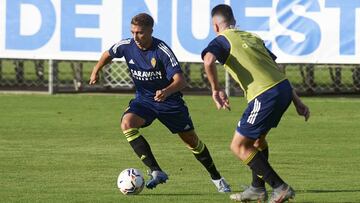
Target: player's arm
178, 83
173, 73
105, 59
211, 71
219, 96
301, 108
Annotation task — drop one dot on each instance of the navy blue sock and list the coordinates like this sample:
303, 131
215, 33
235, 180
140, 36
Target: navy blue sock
256, 180
143, 150
261, 167
205, 159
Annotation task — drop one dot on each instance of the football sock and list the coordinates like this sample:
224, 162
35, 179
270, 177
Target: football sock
202, 154
142, 148
256, 180
258, 163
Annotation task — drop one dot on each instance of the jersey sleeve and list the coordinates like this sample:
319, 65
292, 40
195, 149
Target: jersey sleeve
169, 60
117, 50
220, 47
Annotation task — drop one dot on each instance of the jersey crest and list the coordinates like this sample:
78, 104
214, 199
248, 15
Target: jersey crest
153, 62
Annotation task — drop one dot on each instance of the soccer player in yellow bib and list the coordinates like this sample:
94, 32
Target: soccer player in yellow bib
267, 91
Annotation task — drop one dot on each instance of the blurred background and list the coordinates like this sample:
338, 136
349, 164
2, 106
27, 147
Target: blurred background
52, 46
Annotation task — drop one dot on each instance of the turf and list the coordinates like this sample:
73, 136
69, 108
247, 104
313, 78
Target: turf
68, 148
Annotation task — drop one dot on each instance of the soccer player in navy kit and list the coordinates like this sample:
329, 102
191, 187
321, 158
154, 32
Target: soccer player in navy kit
267, 91
158, 79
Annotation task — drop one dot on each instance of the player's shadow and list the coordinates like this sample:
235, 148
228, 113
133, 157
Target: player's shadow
326, 191
177, 194
297, 191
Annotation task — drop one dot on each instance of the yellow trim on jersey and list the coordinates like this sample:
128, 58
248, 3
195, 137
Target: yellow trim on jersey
250, 157
131, 134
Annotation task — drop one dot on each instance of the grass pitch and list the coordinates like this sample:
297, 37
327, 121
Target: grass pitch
69, 148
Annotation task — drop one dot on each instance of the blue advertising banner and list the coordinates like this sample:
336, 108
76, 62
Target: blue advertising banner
297, 31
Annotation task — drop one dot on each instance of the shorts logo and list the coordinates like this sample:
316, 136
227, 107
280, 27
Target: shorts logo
187, 127
254, 112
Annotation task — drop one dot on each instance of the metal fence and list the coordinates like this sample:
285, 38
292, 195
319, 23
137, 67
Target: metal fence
57, 76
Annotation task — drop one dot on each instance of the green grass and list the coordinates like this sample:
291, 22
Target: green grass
68, 148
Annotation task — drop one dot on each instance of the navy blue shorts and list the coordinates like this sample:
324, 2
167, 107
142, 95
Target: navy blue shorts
265, 111
175, 116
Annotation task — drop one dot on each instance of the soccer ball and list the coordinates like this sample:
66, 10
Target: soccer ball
130, 181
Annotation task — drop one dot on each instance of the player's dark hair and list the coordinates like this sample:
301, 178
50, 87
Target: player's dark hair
225, 11
143, 19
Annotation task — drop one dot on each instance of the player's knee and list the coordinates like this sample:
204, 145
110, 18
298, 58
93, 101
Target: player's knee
260, 144
189, 138
125, 124
239, 151
239, 147
130, 120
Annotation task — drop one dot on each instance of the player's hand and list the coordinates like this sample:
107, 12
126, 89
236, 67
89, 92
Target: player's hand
93, 78
221, 100
303, 110
160, 95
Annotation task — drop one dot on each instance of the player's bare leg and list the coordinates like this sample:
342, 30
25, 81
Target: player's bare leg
256, 191
130, 125
202, 154
245, 149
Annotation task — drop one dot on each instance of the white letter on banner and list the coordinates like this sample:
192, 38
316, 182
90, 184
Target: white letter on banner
347, 23
70, 20
306, 26
184, 26
14, 39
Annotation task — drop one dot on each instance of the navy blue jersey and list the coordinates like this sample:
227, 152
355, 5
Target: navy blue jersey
151, 69
220, 47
